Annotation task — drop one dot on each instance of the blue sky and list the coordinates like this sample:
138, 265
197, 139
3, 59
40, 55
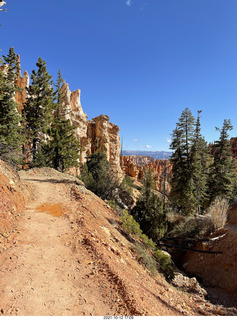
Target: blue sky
139, 61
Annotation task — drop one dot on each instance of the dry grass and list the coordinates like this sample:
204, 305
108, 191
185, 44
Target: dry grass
218, 212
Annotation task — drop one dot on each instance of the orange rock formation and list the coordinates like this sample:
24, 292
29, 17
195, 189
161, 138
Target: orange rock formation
22, 83
160, 168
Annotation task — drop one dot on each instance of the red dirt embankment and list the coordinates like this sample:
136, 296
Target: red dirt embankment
68, 257
11, 200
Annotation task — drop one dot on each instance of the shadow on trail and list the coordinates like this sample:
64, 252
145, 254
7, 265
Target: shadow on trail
79, 183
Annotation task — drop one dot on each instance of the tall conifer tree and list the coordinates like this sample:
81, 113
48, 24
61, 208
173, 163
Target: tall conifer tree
38, 111
63, 147
222, 173
200, 160
10, 130
182, 182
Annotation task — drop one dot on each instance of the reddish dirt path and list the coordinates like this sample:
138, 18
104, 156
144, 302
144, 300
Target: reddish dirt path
39, 273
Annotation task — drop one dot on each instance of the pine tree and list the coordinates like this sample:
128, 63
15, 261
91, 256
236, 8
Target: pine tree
96, 175
10, 130
38, 111
63, 147
1, 80
150, 211
200, 160
222, 173
182, 182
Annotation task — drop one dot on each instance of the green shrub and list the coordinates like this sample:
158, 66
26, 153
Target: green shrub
148, 242
145, 258
130, 224
97, 176
112, 204
165, 264
132, 227
127, 184
150, 211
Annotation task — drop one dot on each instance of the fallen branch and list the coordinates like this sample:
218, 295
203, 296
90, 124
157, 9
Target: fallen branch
186, 248
217, 238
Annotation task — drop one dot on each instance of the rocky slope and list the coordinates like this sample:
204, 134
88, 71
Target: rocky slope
69, 256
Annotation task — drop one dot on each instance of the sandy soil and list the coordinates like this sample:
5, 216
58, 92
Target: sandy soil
68, 257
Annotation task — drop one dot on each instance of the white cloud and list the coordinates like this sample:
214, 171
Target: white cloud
147, 146
128, 3
134, 140
168, 140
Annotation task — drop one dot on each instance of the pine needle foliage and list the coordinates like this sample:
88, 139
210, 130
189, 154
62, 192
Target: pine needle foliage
190, 165
96, 175
63, 148
11, 137
222, 172
150, 211
200, 161
37, 111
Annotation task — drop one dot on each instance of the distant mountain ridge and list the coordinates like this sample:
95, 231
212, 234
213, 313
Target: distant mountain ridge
153, 154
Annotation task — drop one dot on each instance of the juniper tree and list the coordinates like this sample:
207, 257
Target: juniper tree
150, 211
63, 147
222, 172
38, 111
10, 130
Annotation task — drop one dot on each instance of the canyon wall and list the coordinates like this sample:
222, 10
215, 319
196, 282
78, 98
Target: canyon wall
162, 170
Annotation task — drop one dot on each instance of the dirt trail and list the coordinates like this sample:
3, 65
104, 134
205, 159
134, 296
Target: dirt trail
40, 263
70, 257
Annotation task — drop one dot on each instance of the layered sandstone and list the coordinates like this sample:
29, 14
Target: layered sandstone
95, 134
22, 83
162, 170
